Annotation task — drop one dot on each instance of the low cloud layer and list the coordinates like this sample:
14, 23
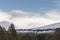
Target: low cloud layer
4, 16
23, 19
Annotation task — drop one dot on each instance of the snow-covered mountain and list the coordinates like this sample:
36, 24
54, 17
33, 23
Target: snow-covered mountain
51, 26
5, 24
47, 29
44, 29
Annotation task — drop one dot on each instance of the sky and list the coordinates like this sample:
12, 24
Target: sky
30, 13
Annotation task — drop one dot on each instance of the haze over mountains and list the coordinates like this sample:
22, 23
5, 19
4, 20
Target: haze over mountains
6, 24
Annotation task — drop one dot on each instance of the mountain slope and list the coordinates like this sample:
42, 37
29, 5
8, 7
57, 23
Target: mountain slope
51, 26
5, 24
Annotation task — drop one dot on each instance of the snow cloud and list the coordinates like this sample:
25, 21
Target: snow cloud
23, 19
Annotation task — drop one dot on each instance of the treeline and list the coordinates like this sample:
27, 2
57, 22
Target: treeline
11, 34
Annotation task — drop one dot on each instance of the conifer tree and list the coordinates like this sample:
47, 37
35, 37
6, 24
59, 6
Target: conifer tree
2, 34
12, 33
57, 34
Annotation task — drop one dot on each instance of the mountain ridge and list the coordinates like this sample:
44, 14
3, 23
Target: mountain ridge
51, 26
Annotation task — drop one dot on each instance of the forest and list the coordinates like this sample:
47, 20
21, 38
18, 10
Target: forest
11, 34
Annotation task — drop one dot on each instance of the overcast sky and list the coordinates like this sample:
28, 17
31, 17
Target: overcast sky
30, 13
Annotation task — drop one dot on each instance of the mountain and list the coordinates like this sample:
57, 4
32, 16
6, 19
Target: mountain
51, 26
44, 29
5, 24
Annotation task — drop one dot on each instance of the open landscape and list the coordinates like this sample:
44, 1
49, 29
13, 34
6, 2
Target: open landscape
29, 19
40, 33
